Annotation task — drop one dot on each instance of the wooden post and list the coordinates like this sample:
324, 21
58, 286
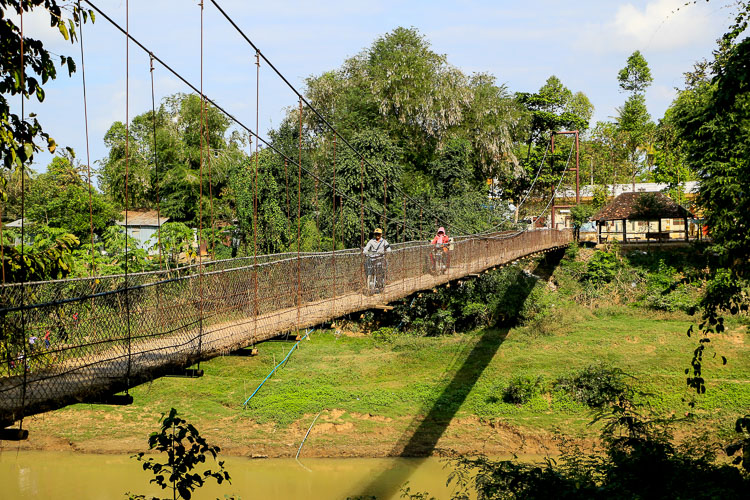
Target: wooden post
659, 238
686, 229
599, 236
624, 231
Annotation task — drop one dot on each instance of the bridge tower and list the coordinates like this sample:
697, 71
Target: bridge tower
578, 181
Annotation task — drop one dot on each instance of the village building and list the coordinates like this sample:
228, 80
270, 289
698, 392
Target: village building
641, 217
143, 226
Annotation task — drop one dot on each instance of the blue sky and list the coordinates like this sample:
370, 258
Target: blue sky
584, 43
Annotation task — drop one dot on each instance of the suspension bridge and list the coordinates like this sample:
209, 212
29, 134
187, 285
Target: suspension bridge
83, 339
87, 338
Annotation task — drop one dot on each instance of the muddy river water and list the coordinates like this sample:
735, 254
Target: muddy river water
68, 476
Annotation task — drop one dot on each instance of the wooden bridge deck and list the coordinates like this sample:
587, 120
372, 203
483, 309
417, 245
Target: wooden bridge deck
113, 337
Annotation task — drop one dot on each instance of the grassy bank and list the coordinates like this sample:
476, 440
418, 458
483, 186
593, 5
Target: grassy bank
418, 393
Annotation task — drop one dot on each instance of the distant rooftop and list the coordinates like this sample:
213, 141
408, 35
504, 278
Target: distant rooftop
17, 223
142, 218
587, 191
624, 207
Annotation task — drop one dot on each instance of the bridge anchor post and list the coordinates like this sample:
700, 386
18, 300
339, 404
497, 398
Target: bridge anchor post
14, 434
185, 372
114, 400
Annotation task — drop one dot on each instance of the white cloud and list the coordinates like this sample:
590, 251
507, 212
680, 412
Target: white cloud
660, 25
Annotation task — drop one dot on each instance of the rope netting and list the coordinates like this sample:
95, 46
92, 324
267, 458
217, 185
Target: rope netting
79, 340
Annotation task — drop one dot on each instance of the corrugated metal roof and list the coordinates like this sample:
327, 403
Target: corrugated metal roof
623, 207
17, 223
142, 218
587, 190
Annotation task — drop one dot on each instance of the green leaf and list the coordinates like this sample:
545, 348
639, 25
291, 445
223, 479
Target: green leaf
63, 30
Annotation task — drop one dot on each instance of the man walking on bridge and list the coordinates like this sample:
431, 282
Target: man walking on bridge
375, 251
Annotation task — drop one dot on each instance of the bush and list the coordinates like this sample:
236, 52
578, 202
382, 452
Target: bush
476, 314
572, 251
595, 385
602, 267
666, 292
384, 334
521, 389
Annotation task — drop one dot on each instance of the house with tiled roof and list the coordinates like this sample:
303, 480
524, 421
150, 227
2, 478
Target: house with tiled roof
641, 217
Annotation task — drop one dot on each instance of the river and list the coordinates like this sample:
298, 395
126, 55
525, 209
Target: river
68, 476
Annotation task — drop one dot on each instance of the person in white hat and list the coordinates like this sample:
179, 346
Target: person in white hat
375, 251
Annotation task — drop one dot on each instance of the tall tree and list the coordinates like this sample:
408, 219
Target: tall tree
19, 134
713, 119
633, 118
635, 77
171, 165
60, 198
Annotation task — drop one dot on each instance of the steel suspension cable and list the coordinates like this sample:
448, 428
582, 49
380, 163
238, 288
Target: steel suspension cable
362, 202
212, 240
562, 176
88, 168
86, 129
384, 221
306, 102
201, 238
255, 199
361, 220
23, 238
299, 218
198, 91
333, 247
127, 174
317, 211
156, 163
286, 179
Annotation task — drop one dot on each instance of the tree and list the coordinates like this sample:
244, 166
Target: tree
21, 72
493, 122
668, 158
18, 134
635, 77
170, 165
176, 238
60, 198
633, 118
712, 118
185, 450
383, 161
47, 257
272, 226
553, 108
581, 215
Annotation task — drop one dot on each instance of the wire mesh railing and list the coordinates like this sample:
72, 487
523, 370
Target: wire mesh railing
73, 340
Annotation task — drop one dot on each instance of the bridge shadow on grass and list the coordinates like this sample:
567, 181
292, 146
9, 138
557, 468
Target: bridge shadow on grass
422, 435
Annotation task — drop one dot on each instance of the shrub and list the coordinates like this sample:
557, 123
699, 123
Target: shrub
572, 251
476, 314
602, 267
441, 322
665, 292
521, 389
384, 334
595, 385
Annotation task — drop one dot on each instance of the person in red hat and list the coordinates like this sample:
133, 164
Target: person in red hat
440, 242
